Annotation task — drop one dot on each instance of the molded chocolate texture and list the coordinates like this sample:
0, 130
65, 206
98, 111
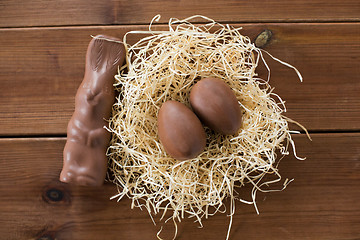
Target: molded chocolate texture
85, 161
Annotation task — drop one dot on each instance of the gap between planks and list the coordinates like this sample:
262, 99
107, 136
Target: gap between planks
164, 24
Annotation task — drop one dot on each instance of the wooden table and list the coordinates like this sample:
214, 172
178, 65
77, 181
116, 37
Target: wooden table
42, 52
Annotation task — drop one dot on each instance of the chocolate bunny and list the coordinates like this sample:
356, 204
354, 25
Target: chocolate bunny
84, 158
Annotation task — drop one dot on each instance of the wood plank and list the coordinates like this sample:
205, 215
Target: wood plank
322, 202
327, 55
17, 13
41, 69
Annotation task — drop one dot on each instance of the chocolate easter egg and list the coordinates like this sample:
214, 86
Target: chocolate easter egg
216, 105
180, 131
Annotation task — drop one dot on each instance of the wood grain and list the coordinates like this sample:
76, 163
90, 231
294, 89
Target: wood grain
41, 69
322, 202
42, 55
17, 13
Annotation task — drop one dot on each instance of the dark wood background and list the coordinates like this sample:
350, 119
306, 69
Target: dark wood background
42, 52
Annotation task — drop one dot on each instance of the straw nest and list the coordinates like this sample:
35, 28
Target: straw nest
164, 65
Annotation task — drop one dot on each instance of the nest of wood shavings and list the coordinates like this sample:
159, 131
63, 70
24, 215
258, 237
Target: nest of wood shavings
164, 65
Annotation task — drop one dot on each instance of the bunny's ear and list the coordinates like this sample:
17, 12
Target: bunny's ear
115, 54
96, 54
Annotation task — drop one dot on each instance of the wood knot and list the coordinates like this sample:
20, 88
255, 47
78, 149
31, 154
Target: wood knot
51, 231
45, 237
56, 194
263, 38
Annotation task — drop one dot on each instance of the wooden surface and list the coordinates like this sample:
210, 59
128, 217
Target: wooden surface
43, 45
15, 13
41, 68
322, 202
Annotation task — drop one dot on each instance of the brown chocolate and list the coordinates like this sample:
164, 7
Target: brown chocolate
180, 131
216, 105
85, 161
